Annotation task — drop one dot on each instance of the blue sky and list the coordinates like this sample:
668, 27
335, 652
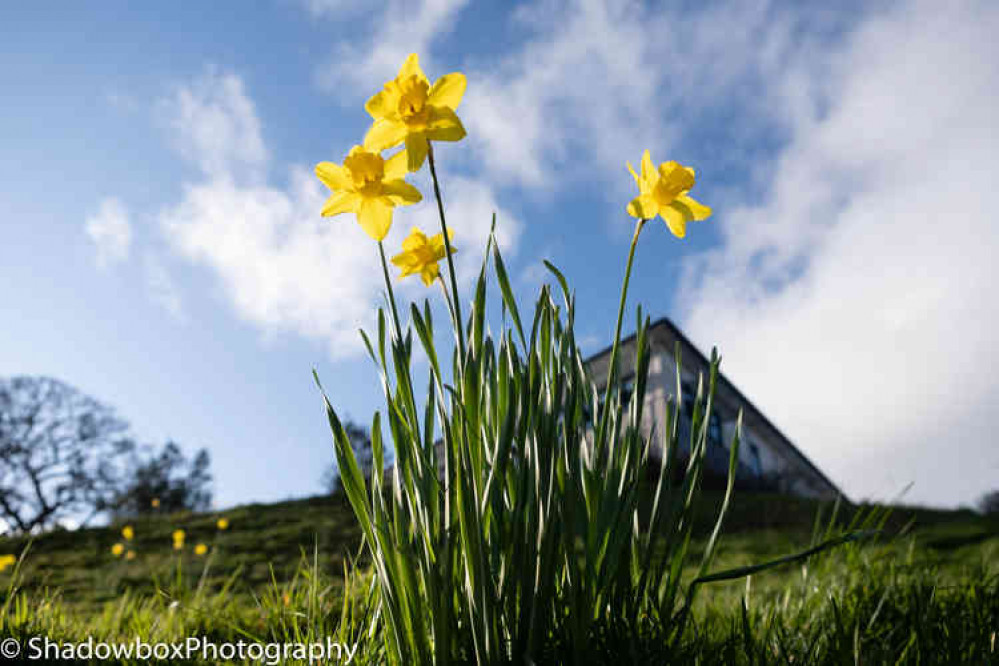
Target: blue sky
162, 247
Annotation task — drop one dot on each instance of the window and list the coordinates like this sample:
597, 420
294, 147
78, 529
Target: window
754, 450
688, 400
627, 389
714, 430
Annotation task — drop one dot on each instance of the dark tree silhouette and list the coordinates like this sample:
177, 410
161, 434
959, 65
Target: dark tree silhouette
989, 503
176, 483
62, 453
360, 442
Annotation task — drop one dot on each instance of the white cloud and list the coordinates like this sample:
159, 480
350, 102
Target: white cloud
396, 29
332, 8
163, 288
214, 125
111, 232
855, 303
597, 82
284, 268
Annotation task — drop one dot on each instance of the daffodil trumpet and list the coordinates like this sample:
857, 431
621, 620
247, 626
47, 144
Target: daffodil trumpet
409, 110
664, 192
421, 256
368, 186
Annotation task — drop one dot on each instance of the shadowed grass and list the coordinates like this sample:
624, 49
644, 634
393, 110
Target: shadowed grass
910, 600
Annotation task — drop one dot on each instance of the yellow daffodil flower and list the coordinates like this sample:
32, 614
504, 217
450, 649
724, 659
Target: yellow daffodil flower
117, 549
223, 523
368, 186
421, 254
409, 110
128, 532
663, 192
7, 561
178, 539
200, 549
130, 555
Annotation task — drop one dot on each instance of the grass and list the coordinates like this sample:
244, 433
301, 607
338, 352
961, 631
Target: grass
263, 542
925, 596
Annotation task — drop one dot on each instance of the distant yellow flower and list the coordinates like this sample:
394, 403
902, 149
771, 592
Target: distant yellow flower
200, 549
7, 561
223, 523
130, 555
368, 186
409, 110
117, 549
420, 255
155, 503
128, 532
664, 193
178, 539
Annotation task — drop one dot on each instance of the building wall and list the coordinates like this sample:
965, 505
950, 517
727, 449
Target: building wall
764, 455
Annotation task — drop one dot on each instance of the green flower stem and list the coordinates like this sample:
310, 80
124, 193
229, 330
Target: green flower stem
447, 253
388, 286
447, 296
612, 368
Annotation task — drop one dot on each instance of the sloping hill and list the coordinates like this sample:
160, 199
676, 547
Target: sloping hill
265, 540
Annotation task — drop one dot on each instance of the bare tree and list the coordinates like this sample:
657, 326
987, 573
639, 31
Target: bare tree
61, 453
169, 478
989, 503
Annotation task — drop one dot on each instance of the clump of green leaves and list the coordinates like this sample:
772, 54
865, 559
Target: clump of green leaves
514, 510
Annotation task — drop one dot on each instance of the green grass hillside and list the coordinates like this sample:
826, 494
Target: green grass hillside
266, 542
927, 591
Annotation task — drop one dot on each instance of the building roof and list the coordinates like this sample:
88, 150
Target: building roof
666, 323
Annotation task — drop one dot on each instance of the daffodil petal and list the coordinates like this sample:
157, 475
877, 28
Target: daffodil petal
343, 201
401, 193
407, 263
430, 273
648, 168
409, 270
444, 125
384, 133
698, 211
448, 90
643, 207
333, 176
675, 220
638, 181
414, 240
396, 166
411, 68
437, 243
376, 105
416, 151
375, 217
